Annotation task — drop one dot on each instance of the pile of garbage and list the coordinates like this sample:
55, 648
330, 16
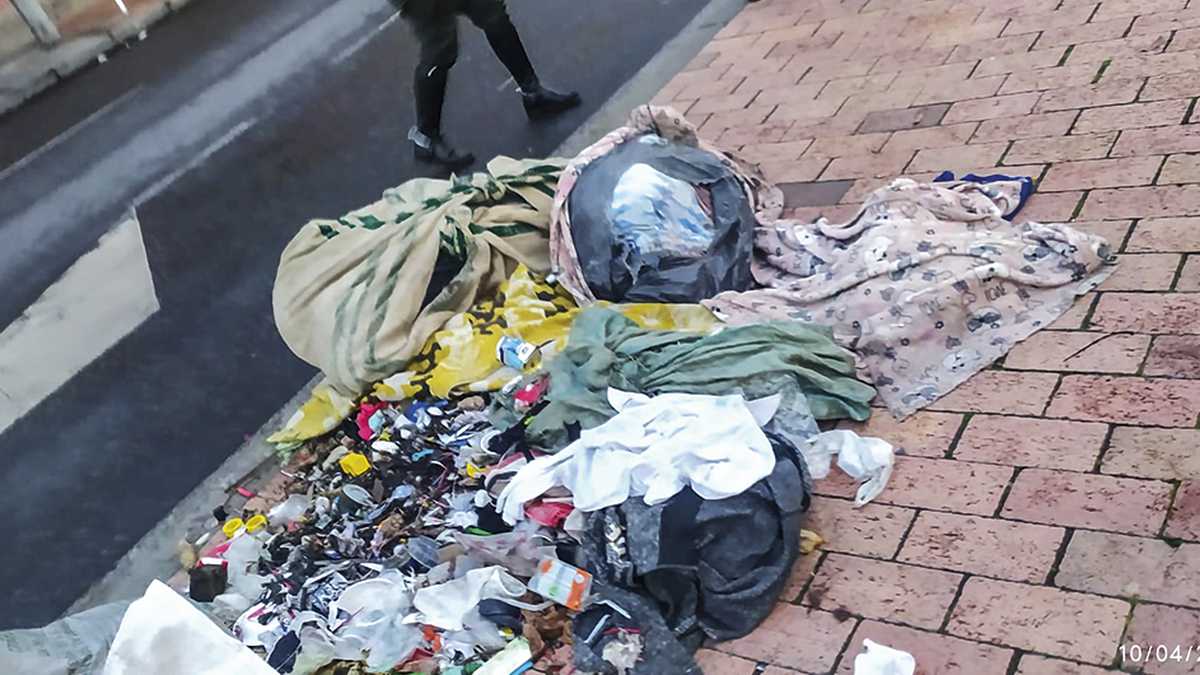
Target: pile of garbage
573, 410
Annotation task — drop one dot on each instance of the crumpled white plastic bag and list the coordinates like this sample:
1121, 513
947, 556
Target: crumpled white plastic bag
163, 633
446, 605
867, 460
883, 660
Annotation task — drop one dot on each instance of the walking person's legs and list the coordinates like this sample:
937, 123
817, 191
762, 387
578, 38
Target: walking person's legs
435, 24
491, 16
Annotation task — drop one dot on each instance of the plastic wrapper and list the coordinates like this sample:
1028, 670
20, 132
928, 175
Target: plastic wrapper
867, 460
877, 659
661, 221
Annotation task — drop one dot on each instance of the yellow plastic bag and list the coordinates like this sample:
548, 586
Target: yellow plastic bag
461, 357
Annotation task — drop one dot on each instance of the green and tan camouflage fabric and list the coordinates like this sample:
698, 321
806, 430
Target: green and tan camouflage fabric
348, 292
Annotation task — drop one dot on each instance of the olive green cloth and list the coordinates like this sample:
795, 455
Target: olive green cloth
605, 349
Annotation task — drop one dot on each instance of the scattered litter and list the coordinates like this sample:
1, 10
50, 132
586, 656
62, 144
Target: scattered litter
494, 478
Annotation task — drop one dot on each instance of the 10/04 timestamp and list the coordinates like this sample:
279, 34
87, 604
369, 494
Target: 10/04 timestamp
1160, 653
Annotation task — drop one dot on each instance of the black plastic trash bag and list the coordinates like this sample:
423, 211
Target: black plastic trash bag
656, 220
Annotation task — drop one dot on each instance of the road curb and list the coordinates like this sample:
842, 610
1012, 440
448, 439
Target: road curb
38, 69
155, 555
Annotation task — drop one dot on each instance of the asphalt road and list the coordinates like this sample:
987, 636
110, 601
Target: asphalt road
229, 127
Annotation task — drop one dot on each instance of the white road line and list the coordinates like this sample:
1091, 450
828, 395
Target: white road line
505, 83
66, 135
362, 42
166, 181
99, 300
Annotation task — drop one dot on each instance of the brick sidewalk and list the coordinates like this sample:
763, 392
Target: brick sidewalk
1046, 512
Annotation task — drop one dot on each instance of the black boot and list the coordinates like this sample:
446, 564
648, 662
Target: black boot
542, 102
434, 149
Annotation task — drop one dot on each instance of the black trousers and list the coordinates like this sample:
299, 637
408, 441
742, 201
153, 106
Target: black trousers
436, 24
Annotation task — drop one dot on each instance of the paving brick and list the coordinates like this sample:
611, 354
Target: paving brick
716, 663
991, 108
840, 146
1184, 521
1127, 400
879, 164
933, 652
893, 99
904, 118
1166, 234
754, 134
847, 86
983, 546
1173, 85
752, 115
1112, 231
1148, 313
1020, 62
1038, 618
1168, 454
1072, 351
976, 87
961, 157
1131, 116
1066, 16
1158, 141
809, 639
1080, 35
982, 49
1142, 202
1189, 277
1154, 22
1180, 169
1108, 91
1076, 75
799, 94
764, 152
712, 104
922, 434
977, 32
1000, 392
802, 572
940, 484
819, 108
1147, 43
1171, 635
1117, 564
1073, 318
940, 75
924, 56
931, 137
797, 195
1175, 355
875, 589
874, 530
1141, 65
1051, 207
1114, 8
1032, 664
1096, 173
1088, 500
1143, 272
1025, 126
1024, 441
1185, 40
793, 170
1064, 148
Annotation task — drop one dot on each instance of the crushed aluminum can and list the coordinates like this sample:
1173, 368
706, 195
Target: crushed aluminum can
515, 352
